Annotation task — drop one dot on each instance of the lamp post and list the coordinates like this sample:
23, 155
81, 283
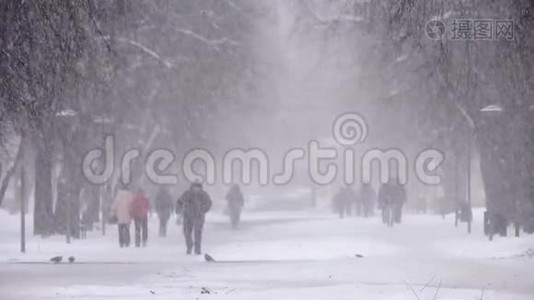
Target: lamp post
22, 197
105, 191
67, 114
466, 210
489, 109
468, 186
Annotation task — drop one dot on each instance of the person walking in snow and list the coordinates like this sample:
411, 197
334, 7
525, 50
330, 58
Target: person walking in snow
385, 202
122, 209
193, 206
337, 204
235, 204
391, 199
399, 198
343, 201
163, 209
140, 209
367, 197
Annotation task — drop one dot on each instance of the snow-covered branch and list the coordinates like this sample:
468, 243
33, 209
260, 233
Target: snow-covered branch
145, 49
214, 43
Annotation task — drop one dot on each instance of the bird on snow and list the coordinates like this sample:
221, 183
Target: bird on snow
208, 258
56, 259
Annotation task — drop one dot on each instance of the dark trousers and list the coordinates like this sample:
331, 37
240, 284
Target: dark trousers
141, 230
193, 234
124, 235
235, 216
163, 220
397, 213
341, 211
348, 209
368, 208
359, 208
344, 209
388, 214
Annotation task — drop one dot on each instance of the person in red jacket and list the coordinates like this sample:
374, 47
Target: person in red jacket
140, 216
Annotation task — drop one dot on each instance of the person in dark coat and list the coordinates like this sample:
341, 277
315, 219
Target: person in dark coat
344, 200
140, 209
391, 198
337, 204
193, 206
385, 202
163, 209
399, 198
358, 202
367, 196
235, 204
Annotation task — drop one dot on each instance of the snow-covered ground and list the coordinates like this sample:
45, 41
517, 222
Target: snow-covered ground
305, 255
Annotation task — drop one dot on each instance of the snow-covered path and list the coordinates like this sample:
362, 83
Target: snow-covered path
283, 256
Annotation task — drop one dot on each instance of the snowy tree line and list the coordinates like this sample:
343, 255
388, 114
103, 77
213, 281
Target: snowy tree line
171, 72
441, 87
73, 70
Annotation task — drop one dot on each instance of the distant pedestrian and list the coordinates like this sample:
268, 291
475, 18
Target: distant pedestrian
385, 203
420, 205
140, 209
122, 208
367, 196
399, 198
343, 201
235, 204
193, 206
391, 199
163, 209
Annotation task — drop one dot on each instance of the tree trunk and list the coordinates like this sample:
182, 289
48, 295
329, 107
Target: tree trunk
92, 201
61, 215
11, 171
67, 213
501, 157
43, 209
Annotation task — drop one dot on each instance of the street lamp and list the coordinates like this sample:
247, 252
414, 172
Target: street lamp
465, 212
492, 108
105, 190
489, 109
67, 114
